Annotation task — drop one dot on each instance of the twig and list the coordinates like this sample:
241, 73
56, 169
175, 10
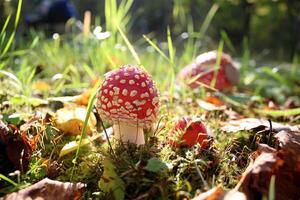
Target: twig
200, 174
270, 132
105, 132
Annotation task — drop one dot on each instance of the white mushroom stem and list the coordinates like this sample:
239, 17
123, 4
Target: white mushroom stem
129, 133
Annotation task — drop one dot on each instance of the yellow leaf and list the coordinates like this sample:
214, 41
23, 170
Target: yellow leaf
70, 120
41, 86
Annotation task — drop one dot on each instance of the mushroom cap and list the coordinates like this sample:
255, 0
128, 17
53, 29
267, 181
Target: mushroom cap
203, 68
129, 95
187, 132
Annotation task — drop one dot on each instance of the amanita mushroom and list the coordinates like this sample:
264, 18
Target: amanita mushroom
188, 132
129, 99
202, 71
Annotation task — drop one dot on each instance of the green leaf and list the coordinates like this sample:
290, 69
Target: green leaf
110, 182
156, 165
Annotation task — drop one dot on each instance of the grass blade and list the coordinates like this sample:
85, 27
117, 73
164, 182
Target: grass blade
170, 47
217, 65
130, 47
5, 25
83, 131
18, 13
210, 15
8, 180
156, 48
272, 188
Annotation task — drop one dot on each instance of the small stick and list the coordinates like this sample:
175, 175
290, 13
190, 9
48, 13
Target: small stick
105, 132
270, 132
87, 23
200, 174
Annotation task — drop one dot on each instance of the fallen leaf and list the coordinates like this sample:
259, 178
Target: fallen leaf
248, 124
6, 165
110, 182
72, 146
17, 148
283, 164
289, 141
70, 120
41, 86
216, 193
83, 99
209, 106
48, 189
214, 100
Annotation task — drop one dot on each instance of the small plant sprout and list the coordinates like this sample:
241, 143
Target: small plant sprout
187, 131
210, 68
129, 99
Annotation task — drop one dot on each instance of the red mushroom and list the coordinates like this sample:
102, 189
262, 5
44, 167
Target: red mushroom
188, 132
201, 71
129, 99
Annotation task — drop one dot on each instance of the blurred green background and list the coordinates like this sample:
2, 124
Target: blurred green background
271, 27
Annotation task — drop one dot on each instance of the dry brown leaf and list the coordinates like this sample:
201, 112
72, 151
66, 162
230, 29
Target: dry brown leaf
16, 149
216, 193
48, 189
289, 141
284, 164
70, 120
248, 124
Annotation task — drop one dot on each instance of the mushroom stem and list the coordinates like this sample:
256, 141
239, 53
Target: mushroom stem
129, 133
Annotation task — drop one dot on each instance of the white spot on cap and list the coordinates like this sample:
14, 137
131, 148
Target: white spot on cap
151, 90
148, 112
130, 68
133, 93
125, 92
143, 84
105, 91
111, 85
139, 103
123, 81
126, 74
146, 94
111, 93
116, 90
103, 106
105, 100
128, 105
120, 101
155, 100
131, 82
117, 77
104, 83
113, 110
133, 115
137, 76
109, 104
